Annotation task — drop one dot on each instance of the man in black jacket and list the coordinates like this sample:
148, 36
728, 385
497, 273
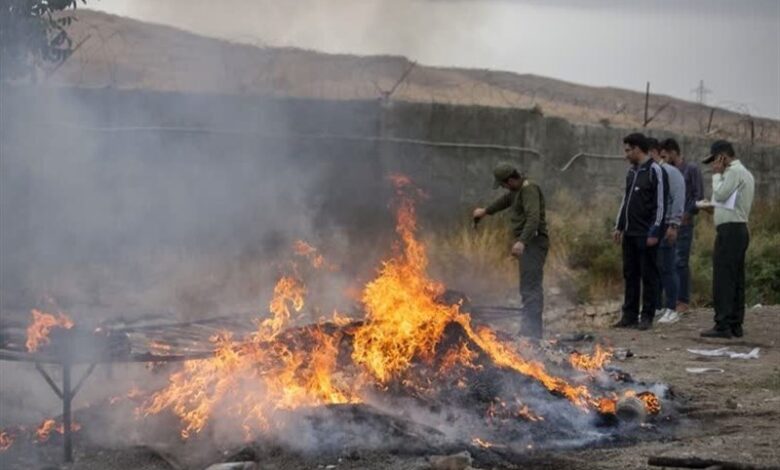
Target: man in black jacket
639, 228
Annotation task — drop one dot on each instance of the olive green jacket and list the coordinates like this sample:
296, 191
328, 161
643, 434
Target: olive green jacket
527, 217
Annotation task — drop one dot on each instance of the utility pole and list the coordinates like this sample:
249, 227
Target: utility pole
701, 93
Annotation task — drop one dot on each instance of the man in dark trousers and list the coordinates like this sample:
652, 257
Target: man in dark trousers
732, 196
639, 229
694, 191
525, 201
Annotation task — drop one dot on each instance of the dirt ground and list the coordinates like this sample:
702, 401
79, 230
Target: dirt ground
733, 415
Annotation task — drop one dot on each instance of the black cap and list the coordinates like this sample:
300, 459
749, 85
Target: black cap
718, 147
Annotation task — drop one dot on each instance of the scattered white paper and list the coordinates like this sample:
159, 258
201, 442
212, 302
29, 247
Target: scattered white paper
753, 354
703, 370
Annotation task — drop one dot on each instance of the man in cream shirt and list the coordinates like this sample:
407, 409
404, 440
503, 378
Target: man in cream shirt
732, 198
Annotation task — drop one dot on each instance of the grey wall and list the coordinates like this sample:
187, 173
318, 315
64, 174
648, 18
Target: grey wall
104, 177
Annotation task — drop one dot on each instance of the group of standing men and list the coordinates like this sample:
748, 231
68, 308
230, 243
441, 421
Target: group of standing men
655, 229
663, 193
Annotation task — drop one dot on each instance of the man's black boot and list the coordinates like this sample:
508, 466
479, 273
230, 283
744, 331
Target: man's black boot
716, 333
645, 324
625, 323
736, 330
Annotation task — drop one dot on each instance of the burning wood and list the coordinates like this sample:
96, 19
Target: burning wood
593, 362
41, 325
408, 344
412, 346
49, 426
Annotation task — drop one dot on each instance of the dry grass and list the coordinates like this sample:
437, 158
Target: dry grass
584, 263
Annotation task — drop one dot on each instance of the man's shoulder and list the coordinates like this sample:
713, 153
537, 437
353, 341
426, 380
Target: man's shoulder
673, 170
530, 184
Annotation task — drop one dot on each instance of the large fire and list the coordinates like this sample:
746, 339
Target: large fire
283, 367
41, 325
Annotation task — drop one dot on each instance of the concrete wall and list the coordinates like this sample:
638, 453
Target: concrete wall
107, 169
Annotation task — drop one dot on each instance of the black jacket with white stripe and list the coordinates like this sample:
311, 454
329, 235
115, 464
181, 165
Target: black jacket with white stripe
643, 209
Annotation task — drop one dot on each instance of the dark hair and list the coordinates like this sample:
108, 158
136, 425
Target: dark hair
653, 144
670, 145
636, 140
515, 174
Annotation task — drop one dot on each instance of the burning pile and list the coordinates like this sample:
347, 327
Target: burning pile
409, 346
410, 351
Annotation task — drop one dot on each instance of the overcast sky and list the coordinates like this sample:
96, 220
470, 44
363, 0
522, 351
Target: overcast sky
733, 45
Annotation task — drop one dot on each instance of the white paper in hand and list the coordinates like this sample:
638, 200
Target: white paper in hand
729, 204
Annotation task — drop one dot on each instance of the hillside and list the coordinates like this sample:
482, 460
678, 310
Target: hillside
124, 53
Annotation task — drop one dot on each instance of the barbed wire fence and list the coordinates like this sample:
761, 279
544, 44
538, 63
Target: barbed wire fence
116, 58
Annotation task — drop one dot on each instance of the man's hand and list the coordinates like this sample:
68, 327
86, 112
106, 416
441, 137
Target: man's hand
687, 219
517, 249
479, 212
617, 237
671, 235
719, 165
652, 241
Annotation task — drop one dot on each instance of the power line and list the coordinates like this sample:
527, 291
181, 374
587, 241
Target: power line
701, 93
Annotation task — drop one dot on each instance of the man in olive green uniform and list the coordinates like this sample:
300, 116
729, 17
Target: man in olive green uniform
529, 234
733, 188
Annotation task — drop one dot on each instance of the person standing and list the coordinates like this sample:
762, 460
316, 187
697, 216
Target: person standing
732, 193
638, 229
694, 191
528, 223
674, 183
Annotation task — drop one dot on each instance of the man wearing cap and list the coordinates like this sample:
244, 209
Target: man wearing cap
638, 230
529, 232
732, 196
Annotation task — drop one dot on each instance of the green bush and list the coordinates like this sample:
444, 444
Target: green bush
763, 269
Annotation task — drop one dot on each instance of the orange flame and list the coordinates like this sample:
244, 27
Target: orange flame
301, 248
6, 441
593, 362
277, 370
40, 327
288, 293
48, 426
252, 379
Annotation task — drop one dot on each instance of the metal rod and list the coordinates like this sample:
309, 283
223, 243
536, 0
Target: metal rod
590, 155
82, 379
66, 418
145, 357
48, 380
